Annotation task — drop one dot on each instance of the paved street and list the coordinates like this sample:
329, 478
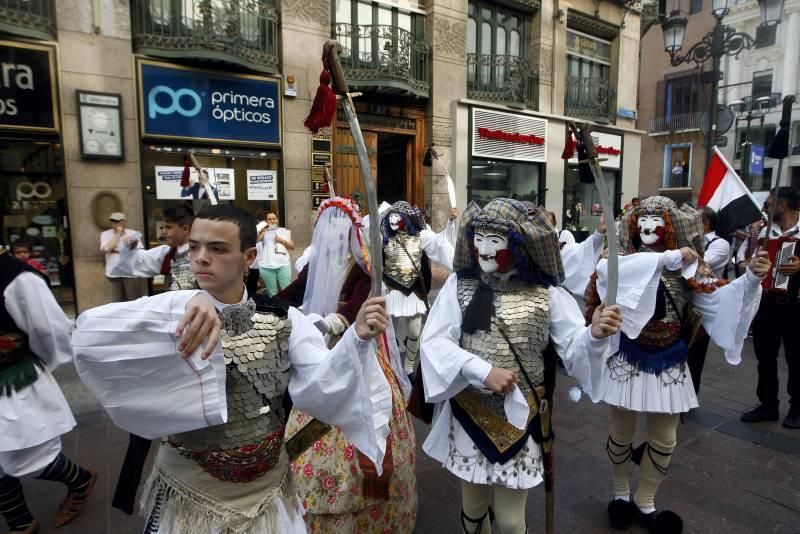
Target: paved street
726, 477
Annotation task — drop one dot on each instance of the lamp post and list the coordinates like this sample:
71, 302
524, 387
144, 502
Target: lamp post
719, 42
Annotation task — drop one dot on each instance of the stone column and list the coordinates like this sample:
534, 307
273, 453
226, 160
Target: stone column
96, 59
446, 34
791, 51
305, 26
541, 53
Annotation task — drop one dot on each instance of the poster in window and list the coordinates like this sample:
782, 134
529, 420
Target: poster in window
168, 184
262, 185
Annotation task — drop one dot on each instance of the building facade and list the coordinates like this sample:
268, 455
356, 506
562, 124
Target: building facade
101, 101
770, 70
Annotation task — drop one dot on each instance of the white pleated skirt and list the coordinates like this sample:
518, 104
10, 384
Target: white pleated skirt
625, 387
399, 305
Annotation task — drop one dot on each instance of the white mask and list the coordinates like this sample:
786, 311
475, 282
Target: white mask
488, 246
394, 221
647, 228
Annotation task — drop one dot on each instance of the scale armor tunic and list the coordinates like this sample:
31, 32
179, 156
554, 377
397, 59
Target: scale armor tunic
255, 347
522, 312
180, 274
398, 267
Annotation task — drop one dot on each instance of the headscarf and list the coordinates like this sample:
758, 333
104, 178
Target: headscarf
337, 236
411, 215
530, 237
683, 225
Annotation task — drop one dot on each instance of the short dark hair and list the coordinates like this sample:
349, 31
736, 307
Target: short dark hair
179, 215
238, 216
635, 199
710, 216
21, 243
790, 195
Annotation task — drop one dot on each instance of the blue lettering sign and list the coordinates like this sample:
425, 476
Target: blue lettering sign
186, 103
756, 160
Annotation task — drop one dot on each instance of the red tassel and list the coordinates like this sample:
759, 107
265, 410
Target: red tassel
324, 106
185, 182
569, 147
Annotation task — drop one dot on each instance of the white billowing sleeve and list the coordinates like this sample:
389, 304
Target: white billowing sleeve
452, 231
580, 261
728, 312
126, 354
31, 305
582, 354
438, 247
344, 387
140, 263
446, 367
639, 275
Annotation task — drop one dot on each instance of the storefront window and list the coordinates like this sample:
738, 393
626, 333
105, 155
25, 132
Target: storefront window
582, 207
230, 168
33, 200
494, 178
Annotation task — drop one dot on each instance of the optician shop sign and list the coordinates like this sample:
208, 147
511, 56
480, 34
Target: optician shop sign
609, 150
497, 134
178, 102
28, 99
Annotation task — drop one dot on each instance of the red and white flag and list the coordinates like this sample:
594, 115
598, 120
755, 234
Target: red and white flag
724, 192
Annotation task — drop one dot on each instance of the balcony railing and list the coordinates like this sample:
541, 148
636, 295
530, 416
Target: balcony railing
28, 18
675, 123
244, 32
589, 98
502, 78
386, 58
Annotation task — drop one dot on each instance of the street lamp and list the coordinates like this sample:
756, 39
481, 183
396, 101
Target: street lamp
721, 41
748, 109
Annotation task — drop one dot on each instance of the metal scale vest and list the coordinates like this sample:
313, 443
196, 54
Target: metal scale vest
398, 266
256, 350
522, 311
664, 328
180, 274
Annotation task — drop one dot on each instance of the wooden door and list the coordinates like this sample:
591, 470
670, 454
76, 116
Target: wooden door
346, 171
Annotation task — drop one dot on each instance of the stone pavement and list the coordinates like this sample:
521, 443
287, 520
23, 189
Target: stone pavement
726, 477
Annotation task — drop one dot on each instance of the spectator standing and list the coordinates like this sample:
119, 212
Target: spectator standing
274, 264
121, 288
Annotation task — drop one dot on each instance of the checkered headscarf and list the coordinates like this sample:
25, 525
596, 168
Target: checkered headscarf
684, 223
529, 233
410, 214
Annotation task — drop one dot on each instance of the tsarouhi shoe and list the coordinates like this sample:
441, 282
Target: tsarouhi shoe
621, 514
74, 502
663, 522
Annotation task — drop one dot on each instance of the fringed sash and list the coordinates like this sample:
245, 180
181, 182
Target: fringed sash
652, 360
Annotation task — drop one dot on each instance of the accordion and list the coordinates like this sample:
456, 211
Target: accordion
780, 250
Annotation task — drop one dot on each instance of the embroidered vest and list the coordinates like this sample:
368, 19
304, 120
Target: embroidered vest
659, 345
255, 344
180, 274
521, 311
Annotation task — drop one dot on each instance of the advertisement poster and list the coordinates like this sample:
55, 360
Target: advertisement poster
262, 185
168, 184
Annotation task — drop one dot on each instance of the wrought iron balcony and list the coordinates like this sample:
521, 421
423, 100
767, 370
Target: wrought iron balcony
675, 123
590, 99
244, 32
388, 59
502, 78
29, 18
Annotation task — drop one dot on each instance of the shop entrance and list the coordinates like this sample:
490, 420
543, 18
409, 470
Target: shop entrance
33, 197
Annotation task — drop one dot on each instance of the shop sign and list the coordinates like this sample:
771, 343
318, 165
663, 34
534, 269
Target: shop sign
28, 99
609, 150
100, 120
262, 185
168, 184
501, 135
177, 102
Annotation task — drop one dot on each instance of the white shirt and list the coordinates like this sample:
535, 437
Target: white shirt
39, 412
717, 252
272, 254
112, 258
142, 263
775, 232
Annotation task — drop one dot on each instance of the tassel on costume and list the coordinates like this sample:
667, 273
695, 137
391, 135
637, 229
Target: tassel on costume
324, 106
374, 486
185, 182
